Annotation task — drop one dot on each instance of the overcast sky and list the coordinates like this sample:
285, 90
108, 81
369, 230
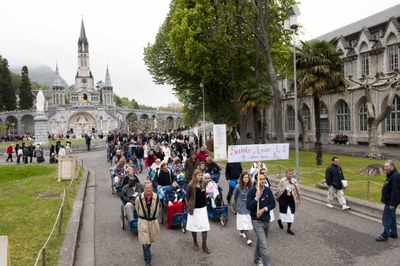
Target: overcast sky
37, 32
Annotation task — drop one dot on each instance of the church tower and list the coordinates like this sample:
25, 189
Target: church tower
107, 91
58, 92
84, 91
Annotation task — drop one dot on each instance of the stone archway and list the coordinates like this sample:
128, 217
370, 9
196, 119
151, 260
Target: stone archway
132, 122
27, 125
82, 123
11, 124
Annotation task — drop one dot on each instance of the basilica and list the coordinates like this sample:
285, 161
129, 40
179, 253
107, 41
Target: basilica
86, 107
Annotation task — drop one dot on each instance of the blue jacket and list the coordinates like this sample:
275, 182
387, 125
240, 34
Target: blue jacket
170, 194
391, 188
334, 176
266, 200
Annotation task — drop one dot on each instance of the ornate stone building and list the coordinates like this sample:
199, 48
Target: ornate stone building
370, 46
88, 109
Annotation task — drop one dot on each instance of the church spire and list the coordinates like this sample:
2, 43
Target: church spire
83, 44
82, 36
107, 82
57, 79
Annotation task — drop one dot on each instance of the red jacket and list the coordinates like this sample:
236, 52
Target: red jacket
9, 149
201, 156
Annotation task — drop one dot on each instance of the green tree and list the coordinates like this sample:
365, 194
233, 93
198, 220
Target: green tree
319, 72
25, 92
7, 92
255, 99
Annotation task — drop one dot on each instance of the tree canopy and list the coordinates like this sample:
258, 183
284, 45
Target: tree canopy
25, 92
213, 43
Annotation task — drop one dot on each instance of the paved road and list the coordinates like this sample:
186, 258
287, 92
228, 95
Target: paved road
323, 236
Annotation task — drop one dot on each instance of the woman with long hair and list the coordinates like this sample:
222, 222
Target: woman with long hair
197, 220
243, 218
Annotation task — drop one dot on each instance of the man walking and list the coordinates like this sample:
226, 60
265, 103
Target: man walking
147, 207
334, 177
391, 198
232, 173
260, 203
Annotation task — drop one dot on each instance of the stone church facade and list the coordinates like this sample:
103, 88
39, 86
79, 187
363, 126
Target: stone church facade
370, 46
90, 108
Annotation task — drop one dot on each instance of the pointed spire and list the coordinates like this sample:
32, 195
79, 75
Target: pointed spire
107, 82
82, 36
57, 79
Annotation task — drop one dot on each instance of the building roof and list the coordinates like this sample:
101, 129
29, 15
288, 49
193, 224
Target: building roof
376, 19
46, 93
107, 82
57, 79
82, 36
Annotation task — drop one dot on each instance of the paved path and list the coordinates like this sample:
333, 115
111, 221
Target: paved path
323, 236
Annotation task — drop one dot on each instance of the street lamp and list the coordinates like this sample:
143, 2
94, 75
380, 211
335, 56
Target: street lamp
291, 24
204, 115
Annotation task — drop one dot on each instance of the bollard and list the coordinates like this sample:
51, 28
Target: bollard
44, 256
368, 184
61, 217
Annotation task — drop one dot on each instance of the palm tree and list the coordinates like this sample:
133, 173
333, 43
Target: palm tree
255, 99
319, 72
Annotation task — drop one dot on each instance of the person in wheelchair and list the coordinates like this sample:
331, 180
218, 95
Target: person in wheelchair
119, 173
128, 195
128, 174
174, 198
214, 195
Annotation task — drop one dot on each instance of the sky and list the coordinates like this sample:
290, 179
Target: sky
46, 32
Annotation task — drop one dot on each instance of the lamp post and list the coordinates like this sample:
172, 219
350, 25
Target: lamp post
291, 24
204, 115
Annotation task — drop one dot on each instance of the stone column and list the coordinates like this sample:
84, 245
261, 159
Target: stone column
41, 121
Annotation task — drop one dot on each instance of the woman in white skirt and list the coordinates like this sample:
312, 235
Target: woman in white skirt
243, 219
197, 220
288, 195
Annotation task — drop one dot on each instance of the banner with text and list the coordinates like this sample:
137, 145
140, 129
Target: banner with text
258, 152
220, 142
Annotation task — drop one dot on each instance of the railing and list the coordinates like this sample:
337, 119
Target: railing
59, 218
369, 184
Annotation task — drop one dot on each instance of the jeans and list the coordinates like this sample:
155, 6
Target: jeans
332, 192
389, 222
140, 164
146, 252
261, 250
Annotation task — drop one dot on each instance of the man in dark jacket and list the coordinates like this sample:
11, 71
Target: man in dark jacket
334, 179
260, 217
232, 173
164, 176
128, 195
391, 198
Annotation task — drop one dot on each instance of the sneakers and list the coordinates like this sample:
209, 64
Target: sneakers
329, 205
242, 235
258, 263
394, 237
381, 239
345, 207
249, 242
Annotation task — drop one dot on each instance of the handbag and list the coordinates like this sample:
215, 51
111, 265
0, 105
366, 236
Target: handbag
344, 183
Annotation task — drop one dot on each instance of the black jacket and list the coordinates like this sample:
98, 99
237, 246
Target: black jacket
334, 176
267, 200
233, 171
164, 178
391, 188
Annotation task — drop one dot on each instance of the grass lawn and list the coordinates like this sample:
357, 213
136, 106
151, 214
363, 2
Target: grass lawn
310, 174
27, 220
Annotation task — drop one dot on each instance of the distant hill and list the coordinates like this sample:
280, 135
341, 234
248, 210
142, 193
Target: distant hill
43, 75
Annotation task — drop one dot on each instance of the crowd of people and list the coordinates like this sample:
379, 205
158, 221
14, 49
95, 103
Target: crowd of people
25, 152
191, 177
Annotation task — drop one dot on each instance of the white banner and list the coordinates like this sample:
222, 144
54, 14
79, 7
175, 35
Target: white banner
258, 152
220, 142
